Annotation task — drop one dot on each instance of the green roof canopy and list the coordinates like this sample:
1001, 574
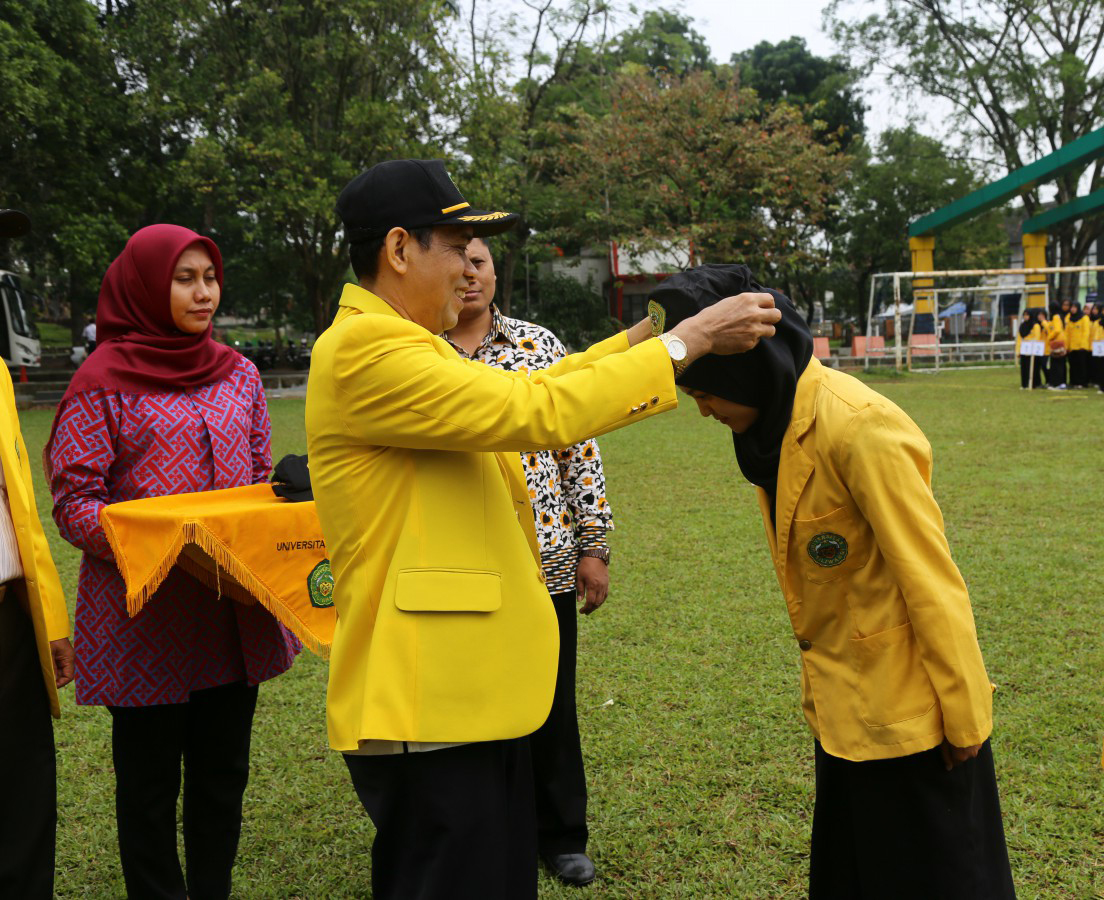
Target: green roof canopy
1049, 167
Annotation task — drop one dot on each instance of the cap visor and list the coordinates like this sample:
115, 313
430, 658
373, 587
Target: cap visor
482, 223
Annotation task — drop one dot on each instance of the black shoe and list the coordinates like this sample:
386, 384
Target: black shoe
571, 868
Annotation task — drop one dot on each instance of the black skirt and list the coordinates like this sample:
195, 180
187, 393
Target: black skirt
907, 828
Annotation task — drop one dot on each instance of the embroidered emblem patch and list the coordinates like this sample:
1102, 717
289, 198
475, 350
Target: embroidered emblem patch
658, 315
320, 585
828, 549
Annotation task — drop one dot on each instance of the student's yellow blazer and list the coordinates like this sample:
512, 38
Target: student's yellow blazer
445, 630
39, 591
1036, 334
879, 611
1096, 332
1056, 331
1077, 333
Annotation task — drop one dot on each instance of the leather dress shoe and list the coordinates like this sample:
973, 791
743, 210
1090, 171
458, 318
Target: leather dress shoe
571, 868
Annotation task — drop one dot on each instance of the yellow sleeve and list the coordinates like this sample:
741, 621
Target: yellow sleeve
887, 463
47, 583
394, 388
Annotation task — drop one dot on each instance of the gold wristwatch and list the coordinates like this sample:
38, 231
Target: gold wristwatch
676, 349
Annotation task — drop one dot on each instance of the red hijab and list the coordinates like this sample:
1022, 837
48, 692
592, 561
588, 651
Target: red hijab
138, 348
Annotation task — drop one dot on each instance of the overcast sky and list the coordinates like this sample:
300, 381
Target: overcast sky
740, 24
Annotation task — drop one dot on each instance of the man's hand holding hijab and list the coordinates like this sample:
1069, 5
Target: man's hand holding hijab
732, 325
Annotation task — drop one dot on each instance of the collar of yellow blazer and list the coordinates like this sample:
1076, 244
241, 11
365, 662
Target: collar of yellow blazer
356, 297
804, 408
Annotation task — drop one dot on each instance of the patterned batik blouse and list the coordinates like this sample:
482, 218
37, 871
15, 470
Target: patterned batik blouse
566, 487
111, 446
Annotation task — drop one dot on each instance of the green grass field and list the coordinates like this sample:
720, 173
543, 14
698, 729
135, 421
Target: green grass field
700, 766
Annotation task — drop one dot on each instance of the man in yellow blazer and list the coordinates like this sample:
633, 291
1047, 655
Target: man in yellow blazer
36, 658
894, 688
444, 656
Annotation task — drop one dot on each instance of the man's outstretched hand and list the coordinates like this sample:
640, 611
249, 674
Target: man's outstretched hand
732, 325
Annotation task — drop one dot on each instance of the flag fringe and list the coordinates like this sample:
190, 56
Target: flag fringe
193, 532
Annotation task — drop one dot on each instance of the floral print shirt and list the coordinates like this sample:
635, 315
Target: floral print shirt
566, 487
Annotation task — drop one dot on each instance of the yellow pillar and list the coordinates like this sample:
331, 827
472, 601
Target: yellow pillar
1034, 248
923, 260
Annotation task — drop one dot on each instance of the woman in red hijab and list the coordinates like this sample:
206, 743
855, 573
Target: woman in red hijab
160, 408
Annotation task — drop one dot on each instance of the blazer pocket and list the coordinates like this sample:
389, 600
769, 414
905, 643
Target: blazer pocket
831, 545
448, 590
893, 684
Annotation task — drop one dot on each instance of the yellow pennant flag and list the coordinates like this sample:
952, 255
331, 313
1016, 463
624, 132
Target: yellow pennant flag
245, 543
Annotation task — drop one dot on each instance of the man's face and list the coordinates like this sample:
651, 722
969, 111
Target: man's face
481, 290
438, 278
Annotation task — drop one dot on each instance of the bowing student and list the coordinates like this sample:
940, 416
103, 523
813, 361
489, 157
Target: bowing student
159, 409
894, 688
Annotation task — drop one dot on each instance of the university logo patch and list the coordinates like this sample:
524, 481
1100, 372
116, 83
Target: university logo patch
320, 585
828, 549
658, 315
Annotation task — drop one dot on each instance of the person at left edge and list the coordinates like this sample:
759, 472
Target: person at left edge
36, 658
160, 409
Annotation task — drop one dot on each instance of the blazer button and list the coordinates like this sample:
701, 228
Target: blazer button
655, 400
804, 644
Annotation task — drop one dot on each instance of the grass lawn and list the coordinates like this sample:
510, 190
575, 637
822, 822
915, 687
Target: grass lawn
700, 766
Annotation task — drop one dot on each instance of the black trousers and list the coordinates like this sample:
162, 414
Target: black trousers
1056, 371
210, 734
28, 793
906, 828
559, 780
1079, 367
1026, 371
451, 824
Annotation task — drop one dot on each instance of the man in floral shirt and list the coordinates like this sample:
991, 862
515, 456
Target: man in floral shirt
568, 493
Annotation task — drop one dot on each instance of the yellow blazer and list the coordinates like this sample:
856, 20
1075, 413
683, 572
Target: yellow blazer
39, 591
881, 615
1096, 331
445, 629
1056, 333
1077, 333
1036, 334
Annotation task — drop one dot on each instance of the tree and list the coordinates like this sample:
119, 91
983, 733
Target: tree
697, 161
665, 43
64, 120
503, 119
296, 97
910, 174
1023, 79
826, 88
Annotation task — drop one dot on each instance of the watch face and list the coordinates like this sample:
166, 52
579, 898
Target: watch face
676, 347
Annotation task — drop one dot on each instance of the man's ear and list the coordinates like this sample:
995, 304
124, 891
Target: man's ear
396, 250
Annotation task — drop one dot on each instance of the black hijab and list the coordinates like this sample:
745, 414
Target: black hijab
1032, 313
1075, 316
765, 377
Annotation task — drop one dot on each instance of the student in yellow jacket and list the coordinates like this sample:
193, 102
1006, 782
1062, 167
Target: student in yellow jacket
444, 655
893, 684
36, 658
1031, 367
1096, 338
1057, 347
1079, 342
